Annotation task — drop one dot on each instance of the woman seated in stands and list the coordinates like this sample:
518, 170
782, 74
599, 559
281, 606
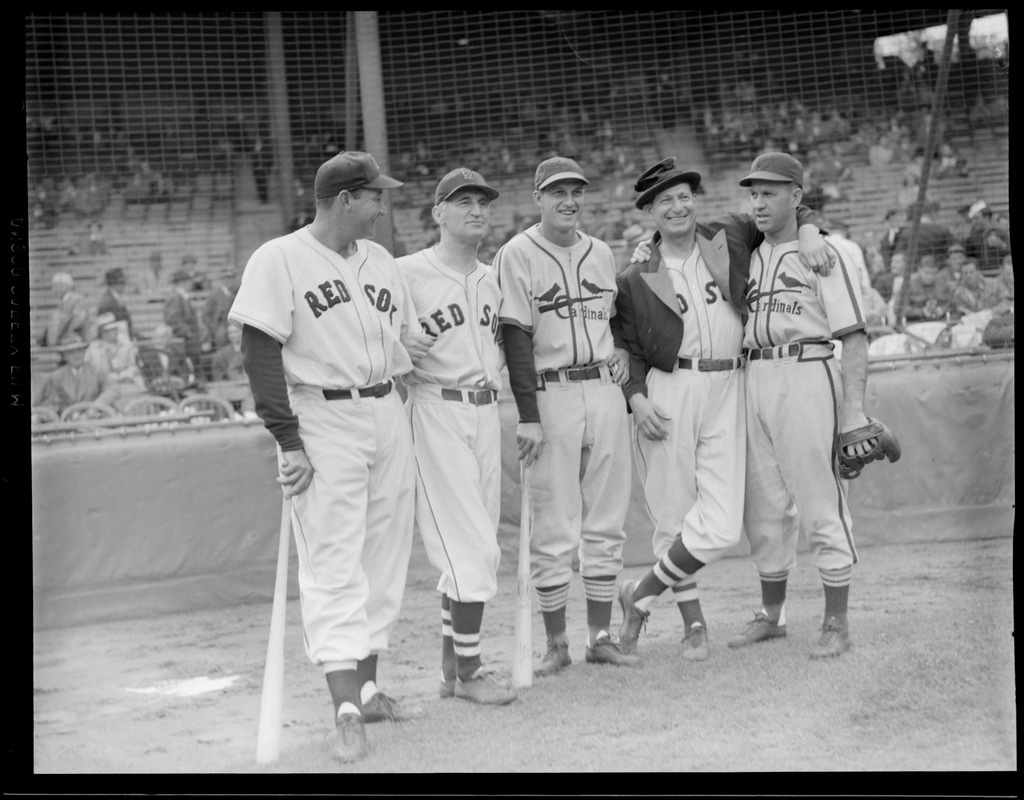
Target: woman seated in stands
116, 362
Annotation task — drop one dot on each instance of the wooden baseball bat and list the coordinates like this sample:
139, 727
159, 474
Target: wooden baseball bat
522, 658
268, 741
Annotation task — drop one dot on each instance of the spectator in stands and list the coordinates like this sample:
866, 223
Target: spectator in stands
215, 310
70, 317
986, 241
164, 362
97, 242
227, 361
929, 296
888, 281
881, 153
1000, 290
971, 293
895, 220
956, 254
115, 362
112, 300
74, 381
181, 317
933, 239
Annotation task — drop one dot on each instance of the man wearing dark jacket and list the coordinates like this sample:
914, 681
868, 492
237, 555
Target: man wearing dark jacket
680, 316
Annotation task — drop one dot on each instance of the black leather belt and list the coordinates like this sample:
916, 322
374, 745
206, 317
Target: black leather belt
478, 397
580, 374
710, 364
780, 351
377, 390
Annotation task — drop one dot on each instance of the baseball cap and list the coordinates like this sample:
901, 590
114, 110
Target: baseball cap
661, 176
352, 169
775, 167
462, 178
956, 247
113, 276
181, 275
557, 169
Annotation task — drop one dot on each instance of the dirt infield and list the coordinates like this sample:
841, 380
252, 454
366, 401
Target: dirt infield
180, 694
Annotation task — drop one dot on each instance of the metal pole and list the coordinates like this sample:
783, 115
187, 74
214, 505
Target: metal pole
351, 83
929, 152
279, 127
371, 87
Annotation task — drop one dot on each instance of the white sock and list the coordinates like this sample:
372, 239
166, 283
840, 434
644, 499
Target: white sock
600, 634
782, 614
369, 690
644, 603
348, 708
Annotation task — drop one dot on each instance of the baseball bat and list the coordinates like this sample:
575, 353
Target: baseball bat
268, 741
522, 658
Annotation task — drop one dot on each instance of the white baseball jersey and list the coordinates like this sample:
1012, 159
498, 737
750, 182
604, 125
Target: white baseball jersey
711, 326
457, 442
339, 319
793, 407
462, 312
788, 302
564, 296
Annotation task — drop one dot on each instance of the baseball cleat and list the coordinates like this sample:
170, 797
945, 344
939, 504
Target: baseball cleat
381, 708
759, 629
606, 650
483, 689
695, 644
633, 619
349, 738
556, 658
834, 641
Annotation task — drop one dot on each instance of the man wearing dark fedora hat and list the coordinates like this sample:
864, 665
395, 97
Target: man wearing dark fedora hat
327, 327
75, 381
112, 300
680, 315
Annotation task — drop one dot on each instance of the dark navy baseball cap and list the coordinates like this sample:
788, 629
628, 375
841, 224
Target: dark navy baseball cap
557, 168
351, 170
462, 178
781, 167
661, 176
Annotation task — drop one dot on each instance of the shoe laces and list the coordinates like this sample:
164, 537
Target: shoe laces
386, 703
760, 616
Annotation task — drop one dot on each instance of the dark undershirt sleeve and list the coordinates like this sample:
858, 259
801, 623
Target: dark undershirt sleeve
261, 358
522, 372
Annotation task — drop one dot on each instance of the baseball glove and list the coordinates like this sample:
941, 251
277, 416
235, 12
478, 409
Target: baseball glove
887, 446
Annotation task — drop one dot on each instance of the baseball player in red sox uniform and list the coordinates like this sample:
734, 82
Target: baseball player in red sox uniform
799, 401
678, 317
327, 325
453, 406
558, 299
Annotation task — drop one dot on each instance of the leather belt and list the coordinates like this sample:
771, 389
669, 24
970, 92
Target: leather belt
572, 374
377, 390
782, 350
478, 397
710, 364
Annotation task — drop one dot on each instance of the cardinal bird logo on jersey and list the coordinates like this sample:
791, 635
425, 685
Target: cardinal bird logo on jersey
559, 301
754, 296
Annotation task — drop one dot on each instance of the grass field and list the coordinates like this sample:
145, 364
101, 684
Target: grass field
928, 687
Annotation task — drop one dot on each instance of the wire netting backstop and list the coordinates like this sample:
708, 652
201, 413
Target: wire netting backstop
226, 116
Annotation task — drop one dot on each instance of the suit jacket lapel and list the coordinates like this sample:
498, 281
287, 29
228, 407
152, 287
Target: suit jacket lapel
658, 280
715, 253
